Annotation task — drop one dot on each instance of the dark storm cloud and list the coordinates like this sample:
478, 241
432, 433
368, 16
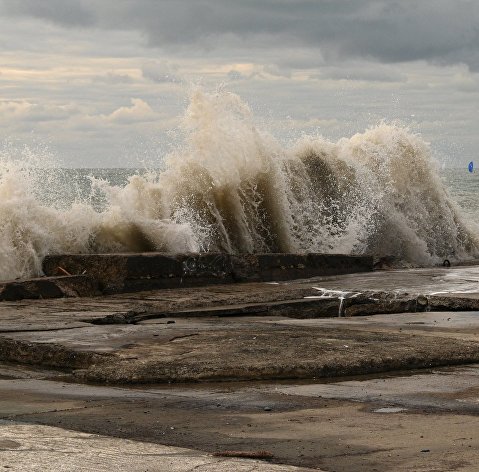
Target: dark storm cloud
388, 31
65, 12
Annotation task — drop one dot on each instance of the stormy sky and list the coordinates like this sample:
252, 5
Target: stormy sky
104, 82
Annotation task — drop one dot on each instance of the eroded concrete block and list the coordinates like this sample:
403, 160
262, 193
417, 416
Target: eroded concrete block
49, 287
136, 272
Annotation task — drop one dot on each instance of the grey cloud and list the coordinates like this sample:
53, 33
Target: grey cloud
138, 111
274, 70
160, 72
66, 51
236, 75
34, 112
113, 78
405, 31
388, 31
362, 71
65, 12
302, 58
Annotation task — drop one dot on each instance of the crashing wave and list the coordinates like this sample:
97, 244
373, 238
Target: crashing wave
232, 187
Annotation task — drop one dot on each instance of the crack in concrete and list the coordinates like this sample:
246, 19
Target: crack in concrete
39, 330
206, 464
362, 303
183, 336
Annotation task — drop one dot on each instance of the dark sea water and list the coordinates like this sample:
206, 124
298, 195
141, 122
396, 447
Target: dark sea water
464, 189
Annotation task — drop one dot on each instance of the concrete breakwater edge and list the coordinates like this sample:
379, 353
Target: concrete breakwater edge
94, 274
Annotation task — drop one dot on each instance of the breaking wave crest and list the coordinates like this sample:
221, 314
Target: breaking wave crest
232, 187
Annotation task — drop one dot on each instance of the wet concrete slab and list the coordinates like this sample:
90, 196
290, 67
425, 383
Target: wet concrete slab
35, 447
238, 348
453, 389
436, 280
202, 334
462, 325
306, 425
319, 412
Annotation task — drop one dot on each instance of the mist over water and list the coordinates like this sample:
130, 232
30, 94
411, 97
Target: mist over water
232, 187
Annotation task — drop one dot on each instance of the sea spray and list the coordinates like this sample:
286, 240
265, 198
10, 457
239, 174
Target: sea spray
232, 187
29, 228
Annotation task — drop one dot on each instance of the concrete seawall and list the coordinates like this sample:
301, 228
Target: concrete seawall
117, 273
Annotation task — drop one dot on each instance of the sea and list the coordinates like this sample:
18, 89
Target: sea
232, 187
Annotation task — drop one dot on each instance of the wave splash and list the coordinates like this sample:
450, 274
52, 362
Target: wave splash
232, 187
